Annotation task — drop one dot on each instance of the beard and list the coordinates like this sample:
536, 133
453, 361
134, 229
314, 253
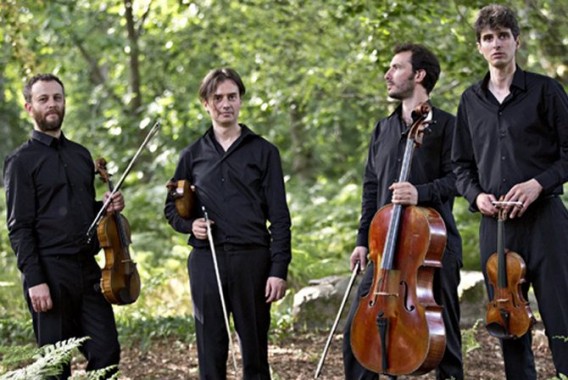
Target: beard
49, 125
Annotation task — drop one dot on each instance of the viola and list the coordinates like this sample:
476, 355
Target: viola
508, 315
120, 281
398, 328
183, 194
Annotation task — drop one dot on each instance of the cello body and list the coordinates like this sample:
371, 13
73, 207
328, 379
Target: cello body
398, 328
401, 298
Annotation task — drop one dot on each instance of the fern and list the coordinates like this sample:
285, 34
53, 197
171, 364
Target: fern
48, 361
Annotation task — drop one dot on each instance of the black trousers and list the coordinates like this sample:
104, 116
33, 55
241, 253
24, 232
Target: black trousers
540, 236
243, 275
79, 309
445, 288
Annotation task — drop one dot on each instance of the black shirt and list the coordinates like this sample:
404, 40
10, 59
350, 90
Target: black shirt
50, 198
430, 171
497, 146
241, 189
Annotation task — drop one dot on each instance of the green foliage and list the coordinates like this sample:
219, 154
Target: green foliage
325, 219
144, 329
469, 340
47, 361
313, 72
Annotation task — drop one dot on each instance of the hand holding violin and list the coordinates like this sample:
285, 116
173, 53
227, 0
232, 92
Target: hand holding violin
117, 204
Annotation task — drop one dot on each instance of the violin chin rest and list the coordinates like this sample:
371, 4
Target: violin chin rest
498, 331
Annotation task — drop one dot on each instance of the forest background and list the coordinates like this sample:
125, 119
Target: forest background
314, 76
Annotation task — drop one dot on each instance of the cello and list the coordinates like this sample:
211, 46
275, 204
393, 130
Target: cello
398, 328
508, 315
120, 281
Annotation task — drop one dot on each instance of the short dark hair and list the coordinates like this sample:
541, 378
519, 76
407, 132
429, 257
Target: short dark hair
495, 16
422, 59
38, 78
214, 77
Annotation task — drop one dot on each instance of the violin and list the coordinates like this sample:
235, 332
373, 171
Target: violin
398, 327
183, 194
508, 315
120, 281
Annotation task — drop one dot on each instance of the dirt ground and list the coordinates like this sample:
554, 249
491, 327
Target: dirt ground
296, 358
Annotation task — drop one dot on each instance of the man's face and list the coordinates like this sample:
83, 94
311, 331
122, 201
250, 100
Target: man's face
224, 104
400, 77
47, 106
498, 46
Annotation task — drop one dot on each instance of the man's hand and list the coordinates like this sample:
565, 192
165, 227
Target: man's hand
404, 193
117, 204
199, 228
526, 193
275, 289
359, 254
40, 298
485, 204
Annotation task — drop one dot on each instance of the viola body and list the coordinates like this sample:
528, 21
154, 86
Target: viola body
398, 327
120, 281
508, 313
184, 197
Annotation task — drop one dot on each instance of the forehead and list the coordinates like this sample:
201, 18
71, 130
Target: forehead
46, 88
493, 31
402, 58
226, 87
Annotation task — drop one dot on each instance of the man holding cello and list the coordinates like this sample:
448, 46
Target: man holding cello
511, 142
412, 75
50, 198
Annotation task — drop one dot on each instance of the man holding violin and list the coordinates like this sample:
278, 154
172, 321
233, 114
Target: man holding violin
511, 142
239, 185
412, 75
50, 197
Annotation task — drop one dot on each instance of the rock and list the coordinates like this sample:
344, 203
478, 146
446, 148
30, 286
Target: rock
316, 306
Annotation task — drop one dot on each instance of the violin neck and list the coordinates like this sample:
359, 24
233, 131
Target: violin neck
501, 260
124, 241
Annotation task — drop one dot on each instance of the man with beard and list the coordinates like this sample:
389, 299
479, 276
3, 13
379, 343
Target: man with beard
412, 75
50, 198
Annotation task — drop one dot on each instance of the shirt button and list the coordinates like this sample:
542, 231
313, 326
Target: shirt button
503, 158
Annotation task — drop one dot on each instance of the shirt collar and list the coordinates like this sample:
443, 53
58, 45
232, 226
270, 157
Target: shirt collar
519, 80
46, 139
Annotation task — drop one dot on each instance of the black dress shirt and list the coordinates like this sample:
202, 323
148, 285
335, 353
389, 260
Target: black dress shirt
50, 198
241, 189
430, 171
497, 146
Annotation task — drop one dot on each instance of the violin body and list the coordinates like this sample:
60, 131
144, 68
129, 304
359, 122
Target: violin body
120, 281
184, 197
398, 327
508, 315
